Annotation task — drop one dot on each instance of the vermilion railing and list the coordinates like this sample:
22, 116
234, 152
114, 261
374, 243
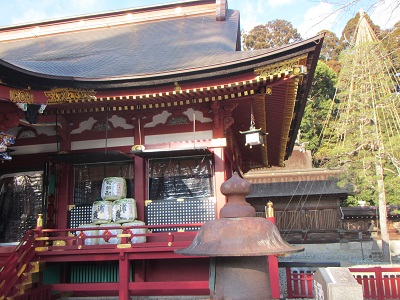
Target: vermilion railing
378, 283
68, 239
40, 293
58, 245
16, 264
299, 284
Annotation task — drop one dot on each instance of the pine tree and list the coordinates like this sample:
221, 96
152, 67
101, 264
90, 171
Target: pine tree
318, 106
364, 138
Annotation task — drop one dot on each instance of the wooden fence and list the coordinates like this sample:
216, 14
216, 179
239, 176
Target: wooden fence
307, 219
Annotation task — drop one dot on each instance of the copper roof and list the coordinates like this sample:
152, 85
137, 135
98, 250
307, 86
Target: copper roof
132, 54
129, 51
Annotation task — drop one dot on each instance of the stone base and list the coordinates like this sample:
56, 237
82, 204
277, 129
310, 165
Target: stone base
238, 278
335, 283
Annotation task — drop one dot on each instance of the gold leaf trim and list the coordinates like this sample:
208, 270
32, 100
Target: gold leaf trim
62, 95
59, 243
22, 270
291, 93
40, 249
21, 96
122, 235
277, 69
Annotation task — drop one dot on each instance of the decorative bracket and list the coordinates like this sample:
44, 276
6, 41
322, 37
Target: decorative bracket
294, 66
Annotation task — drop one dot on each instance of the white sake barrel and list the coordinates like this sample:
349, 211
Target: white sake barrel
137, 239
102, 212
109, 236
87, 233
113, 188
124, 210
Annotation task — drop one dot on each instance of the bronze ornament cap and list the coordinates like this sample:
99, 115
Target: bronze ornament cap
239, 237
236, 190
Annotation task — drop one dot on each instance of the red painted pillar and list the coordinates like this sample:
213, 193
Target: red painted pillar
219, 177
140, 185
123, 277
273, 260
65, 196
140, 182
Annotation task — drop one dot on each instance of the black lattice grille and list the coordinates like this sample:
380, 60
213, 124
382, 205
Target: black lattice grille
80, 215
180, 211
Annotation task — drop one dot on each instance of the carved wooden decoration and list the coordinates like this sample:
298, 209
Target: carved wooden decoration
60, 95
21, 96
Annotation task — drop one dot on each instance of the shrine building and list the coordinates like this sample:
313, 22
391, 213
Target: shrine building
161, 96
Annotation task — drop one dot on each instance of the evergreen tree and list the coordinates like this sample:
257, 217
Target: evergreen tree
329, 47
367, 141
330, 51
348, 33
391, 41
366, 132
318, 106
273, 34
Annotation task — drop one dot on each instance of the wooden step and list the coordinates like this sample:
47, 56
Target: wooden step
20, 289
29, 278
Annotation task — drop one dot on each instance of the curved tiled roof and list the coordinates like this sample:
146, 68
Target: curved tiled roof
140, 64
131, 50
299, 188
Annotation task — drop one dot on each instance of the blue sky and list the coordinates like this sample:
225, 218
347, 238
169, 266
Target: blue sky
308, 16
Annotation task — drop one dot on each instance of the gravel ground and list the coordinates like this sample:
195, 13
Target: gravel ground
349, 254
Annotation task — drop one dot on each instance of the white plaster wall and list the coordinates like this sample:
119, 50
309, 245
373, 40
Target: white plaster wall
33, 149
101, 143
178, 137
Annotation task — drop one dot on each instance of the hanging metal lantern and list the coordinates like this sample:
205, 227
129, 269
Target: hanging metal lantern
253, 136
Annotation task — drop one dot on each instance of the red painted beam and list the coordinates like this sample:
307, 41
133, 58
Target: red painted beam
138, 288
169, 288
86, 287
60, 257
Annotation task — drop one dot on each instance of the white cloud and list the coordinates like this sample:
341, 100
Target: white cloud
317, 18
